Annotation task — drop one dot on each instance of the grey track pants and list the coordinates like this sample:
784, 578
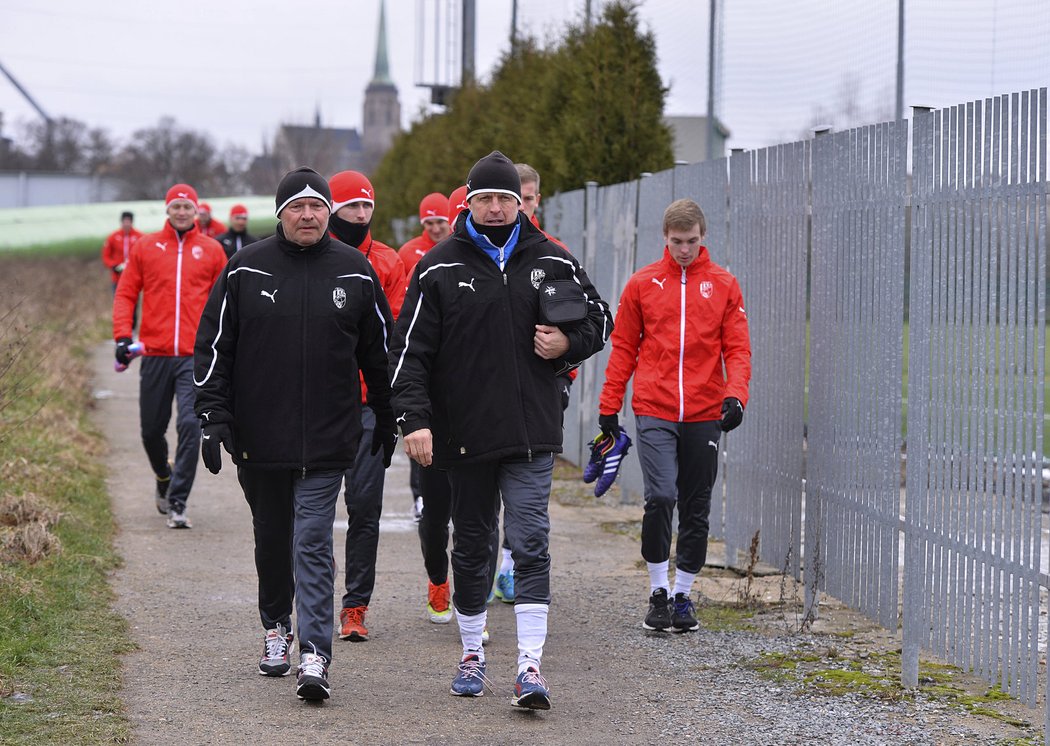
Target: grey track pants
162, 379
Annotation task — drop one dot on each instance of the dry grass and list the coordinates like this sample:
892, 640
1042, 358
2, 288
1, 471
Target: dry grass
25, 529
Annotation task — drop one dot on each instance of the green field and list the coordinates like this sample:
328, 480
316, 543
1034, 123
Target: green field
43, 228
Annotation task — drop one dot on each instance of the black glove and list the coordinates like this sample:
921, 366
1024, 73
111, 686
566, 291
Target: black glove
122, 353
732, 413
213, 435
609, 424
384, 437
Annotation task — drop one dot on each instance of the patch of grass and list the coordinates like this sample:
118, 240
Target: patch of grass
60, 641
725, 617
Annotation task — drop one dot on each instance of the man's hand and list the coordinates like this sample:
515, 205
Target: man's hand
419, 446
119, 268
609, 424
550, 342
384, 437
732, 413
213, 435
123, 351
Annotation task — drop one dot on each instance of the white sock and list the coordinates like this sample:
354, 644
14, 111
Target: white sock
507, 565
532, 633
683, 581
657, 576
470, 629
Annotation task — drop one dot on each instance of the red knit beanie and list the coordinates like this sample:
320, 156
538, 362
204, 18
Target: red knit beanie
181, 191
350, 186
457, 201
434, 205
238, 210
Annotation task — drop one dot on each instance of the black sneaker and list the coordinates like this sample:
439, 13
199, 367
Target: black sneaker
312, 683
659, 616
684, 614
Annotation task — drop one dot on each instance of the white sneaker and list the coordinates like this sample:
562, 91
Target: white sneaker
417, 509
276, 647
178, 520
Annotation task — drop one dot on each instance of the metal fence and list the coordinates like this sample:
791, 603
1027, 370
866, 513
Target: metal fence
818, 235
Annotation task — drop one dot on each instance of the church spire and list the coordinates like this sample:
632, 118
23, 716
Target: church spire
382, 71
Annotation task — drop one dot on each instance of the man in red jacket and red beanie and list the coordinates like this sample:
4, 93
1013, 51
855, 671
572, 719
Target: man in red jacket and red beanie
433, 216
353, 201
174, 270
680, 320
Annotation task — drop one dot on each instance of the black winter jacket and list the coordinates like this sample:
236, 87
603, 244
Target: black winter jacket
278, 350
229, 241
462, 360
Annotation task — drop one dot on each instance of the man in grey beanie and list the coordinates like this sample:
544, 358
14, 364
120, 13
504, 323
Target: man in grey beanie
288, 325
474, 367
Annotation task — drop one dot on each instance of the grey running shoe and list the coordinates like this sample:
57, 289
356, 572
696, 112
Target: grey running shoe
275, 659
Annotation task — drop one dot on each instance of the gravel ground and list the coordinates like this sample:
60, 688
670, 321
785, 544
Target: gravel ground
190, 597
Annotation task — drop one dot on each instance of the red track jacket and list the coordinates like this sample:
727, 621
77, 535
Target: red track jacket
117, 247
175, 277
674, 329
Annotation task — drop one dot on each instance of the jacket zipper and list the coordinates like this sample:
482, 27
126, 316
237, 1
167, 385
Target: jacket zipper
302, 430
178, 295
681, 355
517, 373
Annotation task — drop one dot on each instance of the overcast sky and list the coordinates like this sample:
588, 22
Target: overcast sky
238, 68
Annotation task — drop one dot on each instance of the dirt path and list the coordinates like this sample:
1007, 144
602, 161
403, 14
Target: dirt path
190, 597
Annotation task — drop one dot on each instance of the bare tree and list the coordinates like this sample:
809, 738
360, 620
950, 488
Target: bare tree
157, 157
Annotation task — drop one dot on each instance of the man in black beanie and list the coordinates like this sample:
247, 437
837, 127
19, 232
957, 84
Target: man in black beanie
475, 392
287, 327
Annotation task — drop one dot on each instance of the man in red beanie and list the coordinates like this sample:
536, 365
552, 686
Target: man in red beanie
237, 237
433, 216
174, 270
209, 226
353, 201
118, 245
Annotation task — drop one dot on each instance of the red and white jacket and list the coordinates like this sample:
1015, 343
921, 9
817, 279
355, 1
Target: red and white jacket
675, 328
117, 248
174, 276
391, 272
414, 250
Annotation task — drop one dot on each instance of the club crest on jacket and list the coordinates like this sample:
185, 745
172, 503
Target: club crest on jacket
707, 288
339, 297
537, 277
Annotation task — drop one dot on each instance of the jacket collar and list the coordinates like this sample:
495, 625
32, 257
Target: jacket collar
701, 263
170, 233
294, 248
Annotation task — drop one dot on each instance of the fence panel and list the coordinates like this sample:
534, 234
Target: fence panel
655, 193
976, 383
768, 234
611, 214
853, 463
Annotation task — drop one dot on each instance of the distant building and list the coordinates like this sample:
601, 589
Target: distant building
690, 138
332, 149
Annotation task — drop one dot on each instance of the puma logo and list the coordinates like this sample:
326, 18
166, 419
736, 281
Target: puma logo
206, 437
468, 285
713, 444
659, 282
402, 418
206, 415
421, 252
161, 246
271, 296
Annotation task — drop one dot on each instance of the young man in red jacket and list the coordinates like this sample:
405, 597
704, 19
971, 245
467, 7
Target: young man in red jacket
118, 245
174, 269
680, 320
433, 216
208, 225
353, 202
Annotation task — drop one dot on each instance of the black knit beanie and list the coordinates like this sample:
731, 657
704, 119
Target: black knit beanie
302, 182
494, 173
